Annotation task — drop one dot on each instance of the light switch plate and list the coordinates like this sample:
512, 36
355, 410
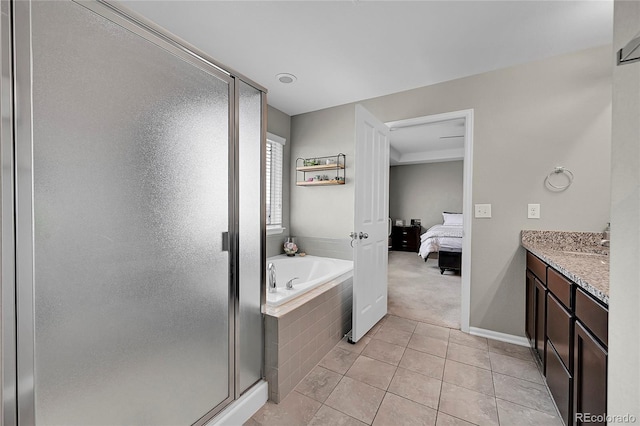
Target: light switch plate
533, 211
483, 211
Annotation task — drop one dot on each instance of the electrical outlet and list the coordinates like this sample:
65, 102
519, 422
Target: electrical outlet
483, 210
533, 211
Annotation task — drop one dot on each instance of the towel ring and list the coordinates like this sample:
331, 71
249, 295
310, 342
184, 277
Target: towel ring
557, 171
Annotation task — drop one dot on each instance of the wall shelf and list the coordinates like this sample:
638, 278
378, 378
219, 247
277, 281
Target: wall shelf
306, 169
320, 167
321, 182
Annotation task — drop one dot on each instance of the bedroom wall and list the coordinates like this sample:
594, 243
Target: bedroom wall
279, 124
528, 119
424, 191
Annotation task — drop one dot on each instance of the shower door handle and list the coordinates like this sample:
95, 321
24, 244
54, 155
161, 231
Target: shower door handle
225, 241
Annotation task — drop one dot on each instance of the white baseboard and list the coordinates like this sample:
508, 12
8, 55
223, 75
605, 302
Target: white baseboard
503, 337
241, 410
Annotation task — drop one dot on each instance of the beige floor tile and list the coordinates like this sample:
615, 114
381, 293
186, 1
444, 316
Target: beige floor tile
513, 414
375, 329
469, 355
400, 323
447, 420
469, 377
515, 367
295, 410
516, 351
396, 410
338, 360
354, 347
468, 405
328, 416
523, 392
430, 345
431, 330
372, 372
356, 399
319, 383
427, 364
462, 338
251, 422
393, 335
383, 351
416, 387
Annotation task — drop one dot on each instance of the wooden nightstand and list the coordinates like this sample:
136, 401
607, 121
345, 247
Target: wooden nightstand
449, 258
405, 238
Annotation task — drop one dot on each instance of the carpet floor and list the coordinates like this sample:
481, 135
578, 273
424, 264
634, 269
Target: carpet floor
417, 290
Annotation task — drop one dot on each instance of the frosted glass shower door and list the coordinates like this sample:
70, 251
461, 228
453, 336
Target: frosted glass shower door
123, 199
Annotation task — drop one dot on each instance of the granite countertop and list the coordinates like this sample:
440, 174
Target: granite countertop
579, 256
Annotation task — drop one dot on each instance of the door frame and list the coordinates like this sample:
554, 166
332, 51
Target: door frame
467, 198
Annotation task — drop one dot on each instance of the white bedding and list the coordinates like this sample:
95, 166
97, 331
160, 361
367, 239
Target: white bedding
440, 236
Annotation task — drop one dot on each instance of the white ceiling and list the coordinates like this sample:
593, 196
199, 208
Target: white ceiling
346, 51
427, 143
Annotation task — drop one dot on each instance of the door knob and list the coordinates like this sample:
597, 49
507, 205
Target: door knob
363, 235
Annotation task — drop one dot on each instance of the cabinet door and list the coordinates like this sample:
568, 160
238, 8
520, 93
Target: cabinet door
590, 377
541, 321
530, 324
559, 382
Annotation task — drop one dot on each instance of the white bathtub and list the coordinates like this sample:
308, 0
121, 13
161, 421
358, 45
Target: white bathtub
312, 271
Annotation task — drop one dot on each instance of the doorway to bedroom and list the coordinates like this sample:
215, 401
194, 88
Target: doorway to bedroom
429, 192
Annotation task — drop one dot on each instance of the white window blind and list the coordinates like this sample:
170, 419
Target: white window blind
275, 154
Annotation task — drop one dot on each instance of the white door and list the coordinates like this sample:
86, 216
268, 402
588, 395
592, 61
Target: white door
371, 216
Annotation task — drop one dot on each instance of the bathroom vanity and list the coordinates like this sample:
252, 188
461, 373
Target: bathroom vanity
567, 286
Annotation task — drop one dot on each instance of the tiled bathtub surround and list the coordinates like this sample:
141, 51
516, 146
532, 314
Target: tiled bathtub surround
300, 333
576, 255
326, 247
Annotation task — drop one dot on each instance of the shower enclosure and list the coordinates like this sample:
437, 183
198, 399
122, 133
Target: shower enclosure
132, 221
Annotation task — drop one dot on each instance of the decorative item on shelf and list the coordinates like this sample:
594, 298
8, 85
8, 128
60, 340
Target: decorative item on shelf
416, 222
312, 165
290, 246
399, 222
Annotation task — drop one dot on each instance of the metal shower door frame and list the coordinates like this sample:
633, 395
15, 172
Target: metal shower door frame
16, 208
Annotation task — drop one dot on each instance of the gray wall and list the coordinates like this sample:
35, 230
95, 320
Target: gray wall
424, 191
279, 124
528, 119
624, 317
323, 211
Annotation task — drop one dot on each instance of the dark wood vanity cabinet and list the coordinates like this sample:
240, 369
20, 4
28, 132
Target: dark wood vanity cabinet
590, 358
405, 238
567, 329
536, 306
559, 350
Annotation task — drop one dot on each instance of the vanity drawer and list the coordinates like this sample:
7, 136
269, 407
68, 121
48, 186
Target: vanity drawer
559, 329
559, 382
538, 267
593, 315
559, 286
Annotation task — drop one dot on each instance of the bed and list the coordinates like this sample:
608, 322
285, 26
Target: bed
449, 235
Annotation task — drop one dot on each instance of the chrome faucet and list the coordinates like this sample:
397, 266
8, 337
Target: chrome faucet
271, 277
289, 284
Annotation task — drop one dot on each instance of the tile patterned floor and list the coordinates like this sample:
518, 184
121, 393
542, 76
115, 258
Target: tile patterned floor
406, 372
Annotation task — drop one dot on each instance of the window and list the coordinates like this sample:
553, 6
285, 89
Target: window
275, 160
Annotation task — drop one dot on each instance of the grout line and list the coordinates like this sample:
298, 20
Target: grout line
557, 415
